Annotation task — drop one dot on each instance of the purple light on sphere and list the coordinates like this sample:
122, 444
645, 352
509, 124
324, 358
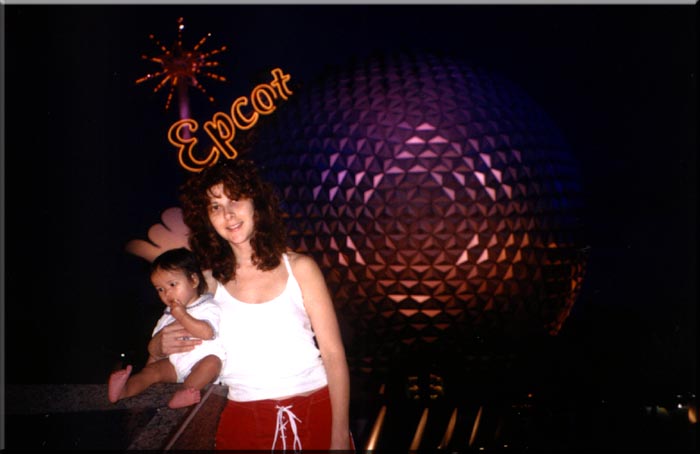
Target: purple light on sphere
440, 200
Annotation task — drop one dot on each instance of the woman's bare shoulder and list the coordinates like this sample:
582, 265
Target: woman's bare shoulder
302, 263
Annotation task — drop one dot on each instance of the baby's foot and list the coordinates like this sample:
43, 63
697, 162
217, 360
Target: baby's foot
117, 381
184, 398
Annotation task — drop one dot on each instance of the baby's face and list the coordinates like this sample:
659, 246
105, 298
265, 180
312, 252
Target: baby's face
174, 287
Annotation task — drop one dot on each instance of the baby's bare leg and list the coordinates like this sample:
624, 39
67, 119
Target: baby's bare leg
160, 371
117, 381
203, 373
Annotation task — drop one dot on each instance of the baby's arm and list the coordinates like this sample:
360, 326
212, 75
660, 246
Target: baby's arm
198, 328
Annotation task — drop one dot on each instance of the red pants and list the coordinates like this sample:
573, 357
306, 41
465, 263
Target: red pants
301, 422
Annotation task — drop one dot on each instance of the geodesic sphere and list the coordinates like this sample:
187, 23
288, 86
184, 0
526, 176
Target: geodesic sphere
440, 200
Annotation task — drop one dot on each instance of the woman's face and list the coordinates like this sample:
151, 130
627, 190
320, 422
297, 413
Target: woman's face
232, 219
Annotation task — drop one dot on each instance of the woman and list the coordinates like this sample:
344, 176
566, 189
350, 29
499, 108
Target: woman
286, 370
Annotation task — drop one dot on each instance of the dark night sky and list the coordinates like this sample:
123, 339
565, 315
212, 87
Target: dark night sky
87, 166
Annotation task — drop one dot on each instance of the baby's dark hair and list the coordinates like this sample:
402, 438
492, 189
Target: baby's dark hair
180, 259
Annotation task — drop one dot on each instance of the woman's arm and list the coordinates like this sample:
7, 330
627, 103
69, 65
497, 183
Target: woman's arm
169, 340
319, 306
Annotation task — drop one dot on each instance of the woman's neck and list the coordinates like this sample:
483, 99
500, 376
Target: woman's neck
244, 256
243, 252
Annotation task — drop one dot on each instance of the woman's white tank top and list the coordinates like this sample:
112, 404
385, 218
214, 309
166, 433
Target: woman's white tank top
270, 348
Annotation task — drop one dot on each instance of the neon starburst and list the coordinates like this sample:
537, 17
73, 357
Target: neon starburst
181, 68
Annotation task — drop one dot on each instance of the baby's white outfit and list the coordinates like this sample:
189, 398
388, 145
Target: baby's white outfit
204, 308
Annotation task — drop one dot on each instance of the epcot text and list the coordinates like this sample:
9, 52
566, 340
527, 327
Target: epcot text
222, 127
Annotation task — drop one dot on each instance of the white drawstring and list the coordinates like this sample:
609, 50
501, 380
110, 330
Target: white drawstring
282, 425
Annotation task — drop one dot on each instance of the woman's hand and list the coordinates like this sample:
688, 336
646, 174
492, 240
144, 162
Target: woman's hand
341, 442
176, 339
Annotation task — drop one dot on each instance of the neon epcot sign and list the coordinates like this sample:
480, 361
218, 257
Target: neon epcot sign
222, 127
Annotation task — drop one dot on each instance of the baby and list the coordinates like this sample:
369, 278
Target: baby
180, 284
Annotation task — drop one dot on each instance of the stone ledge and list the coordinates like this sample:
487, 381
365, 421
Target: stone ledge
72, 409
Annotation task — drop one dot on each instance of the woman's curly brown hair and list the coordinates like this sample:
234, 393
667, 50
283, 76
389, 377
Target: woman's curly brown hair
241, 180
